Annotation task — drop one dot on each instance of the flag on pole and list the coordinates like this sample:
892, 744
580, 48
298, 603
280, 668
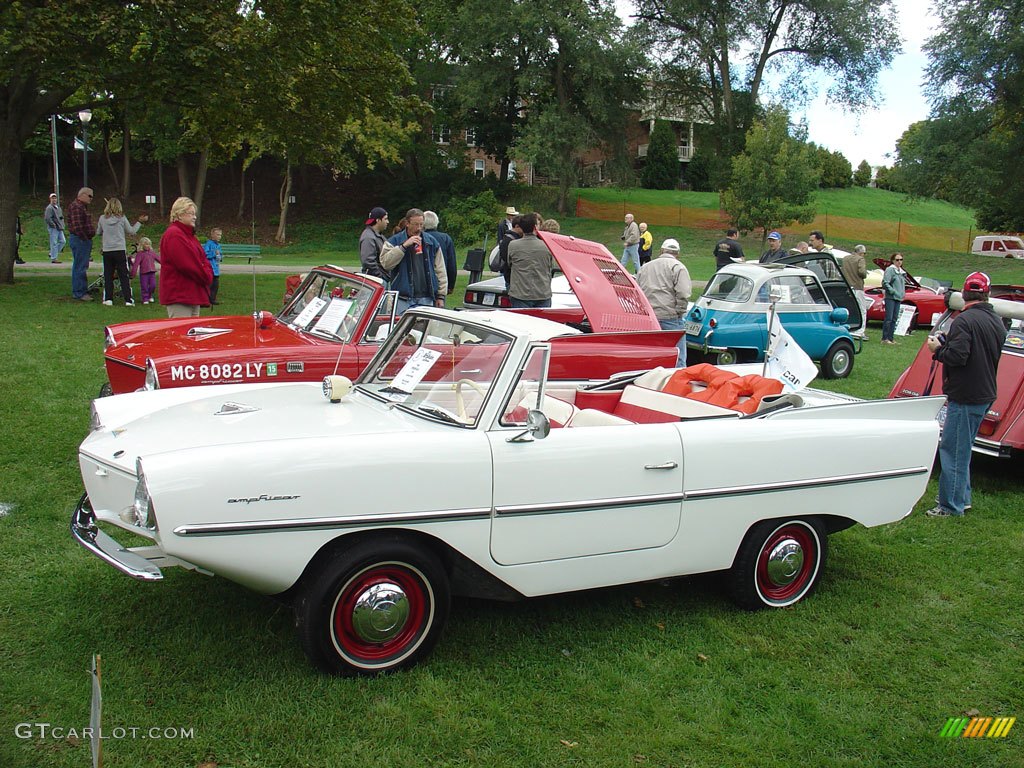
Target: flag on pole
785, 360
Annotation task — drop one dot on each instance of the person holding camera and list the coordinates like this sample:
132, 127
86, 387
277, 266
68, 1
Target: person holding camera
969, 354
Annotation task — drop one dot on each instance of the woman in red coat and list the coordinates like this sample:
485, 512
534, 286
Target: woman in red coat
185, 274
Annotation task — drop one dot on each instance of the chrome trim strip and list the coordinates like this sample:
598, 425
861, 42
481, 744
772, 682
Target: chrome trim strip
792, 485
86, 533
514, 510
327, 523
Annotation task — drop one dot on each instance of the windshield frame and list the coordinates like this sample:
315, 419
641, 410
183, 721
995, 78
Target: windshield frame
321, 285
478, 359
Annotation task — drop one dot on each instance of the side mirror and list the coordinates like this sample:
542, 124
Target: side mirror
840, 315
775, 293
538, 426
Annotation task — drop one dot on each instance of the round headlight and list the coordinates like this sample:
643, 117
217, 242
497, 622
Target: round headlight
152, 380
336, 387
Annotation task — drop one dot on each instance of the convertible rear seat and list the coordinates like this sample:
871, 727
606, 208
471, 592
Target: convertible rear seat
591, 417
649, 406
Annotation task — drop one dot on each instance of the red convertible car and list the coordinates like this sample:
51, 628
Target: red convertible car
336, 320
923, 293
1002, 430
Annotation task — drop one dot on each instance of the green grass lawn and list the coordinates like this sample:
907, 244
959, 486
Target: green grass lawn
855, 202
914, 623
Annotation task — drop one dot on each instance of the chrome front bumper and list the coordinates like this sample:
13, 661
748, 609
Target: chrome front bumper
88, 534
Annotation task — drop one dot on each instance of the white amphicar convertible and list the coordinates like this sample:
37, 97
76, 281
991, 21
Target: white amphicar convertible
451, 467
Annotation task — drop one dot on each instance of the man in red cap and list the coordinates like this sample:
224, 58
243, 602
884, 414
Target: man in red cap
970, 356
371, 242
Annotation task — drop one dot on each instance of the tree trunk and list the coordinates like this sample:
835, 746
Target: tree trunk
184, 183
203, 166
10, 162
160, 186
241, 187
118, 191
286, 189
126, 158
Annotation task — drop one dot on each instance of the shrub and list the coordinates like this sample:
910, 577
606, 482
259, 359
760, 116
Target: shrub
469, 219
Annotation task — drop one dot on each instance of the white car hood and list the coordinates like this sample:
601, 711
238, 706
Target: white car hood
234, 416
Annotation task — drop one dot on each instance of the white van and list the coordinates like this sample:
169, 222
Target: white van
1003, 246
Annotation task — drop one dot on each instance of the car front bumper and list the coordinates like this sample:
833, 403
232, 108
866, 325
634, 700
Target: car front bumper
87, 533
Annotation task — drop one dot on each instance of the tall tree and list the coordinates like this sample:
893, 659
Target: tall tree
975, 83
661, 169
57, 58
585, 80
862, 176
772, 179
325, 83
698, 42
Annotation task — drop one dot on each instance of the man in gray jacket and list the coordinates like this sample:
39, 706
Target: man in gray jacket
530, 263
855, 270
666, 284
631, 239
54, 218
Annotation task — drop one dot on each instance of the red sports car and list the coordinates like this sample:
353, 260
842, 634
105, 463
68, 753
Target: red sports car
336, 320
925, 294
1002, 429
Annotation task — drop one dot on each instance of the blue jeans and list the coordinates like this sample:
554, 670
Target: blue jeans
57, 241
892, 311
528, 303
676, 325
81, 250
958, 433
631, 253
404, 304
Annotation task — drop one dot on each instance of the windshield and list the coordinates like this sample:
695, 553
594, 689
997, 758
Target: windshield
438, 368
726, 287
328, 306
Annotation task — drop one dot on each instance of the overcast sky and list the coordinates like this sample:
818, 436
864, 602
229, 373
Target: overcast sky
872, 135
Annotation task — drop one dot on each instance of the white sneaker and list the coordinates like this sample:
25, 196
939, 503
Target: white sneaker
108, 303
129, 303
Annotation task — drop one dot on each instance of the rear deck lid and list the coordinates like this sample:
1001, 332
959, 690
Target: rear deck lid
608, 294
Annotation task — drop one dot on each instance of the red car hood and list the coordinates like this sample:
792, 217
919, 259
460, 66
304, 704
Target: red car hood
608, 294
164, 338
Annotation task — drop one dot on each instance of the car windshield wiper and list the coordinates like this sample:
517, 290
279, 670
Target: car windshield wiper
439, 412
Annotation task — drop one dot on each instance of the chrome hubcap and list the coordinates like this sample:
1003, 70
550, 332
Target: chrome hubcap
380, 612
785, 562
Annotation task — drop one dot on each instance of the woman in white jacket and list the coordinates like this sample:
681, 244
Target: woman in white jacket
114, 229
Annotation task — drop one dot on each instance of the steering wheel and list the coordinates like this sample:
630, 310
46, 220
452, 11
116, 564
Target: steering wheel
460, 405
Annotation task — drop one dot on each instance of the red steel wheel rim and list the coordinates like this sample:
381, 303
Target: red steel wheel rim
782, 540
352, 642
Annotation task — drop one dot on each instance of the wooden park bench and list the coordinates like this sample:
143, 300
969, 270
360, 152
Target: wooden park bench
240, 250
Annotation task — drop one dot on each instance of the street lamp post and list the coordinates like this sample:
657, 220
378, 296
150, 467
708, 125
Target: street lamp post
85, 116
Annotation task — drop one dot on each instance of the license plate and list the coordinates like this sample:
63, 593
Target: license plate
490, 299
692, 328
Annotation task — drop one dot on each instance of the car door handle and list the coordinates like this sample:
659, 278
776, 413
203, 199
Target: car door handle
665, 465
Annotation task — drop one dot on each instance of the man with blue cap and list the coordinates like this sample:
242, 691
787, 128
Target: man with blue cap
774, 252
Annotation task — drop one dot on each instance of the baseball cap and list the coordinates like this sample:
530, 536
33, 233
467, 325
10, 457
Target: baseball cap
977, 281
511, 211
774, 236
376, 214
670, 245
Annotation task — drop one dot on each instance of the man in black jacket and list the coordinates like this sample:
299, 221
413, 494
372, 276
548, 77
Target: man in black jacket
970, 356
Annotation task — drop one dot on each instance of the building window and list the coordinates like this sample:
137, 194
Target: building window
478, 168
442, 134
471, 137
